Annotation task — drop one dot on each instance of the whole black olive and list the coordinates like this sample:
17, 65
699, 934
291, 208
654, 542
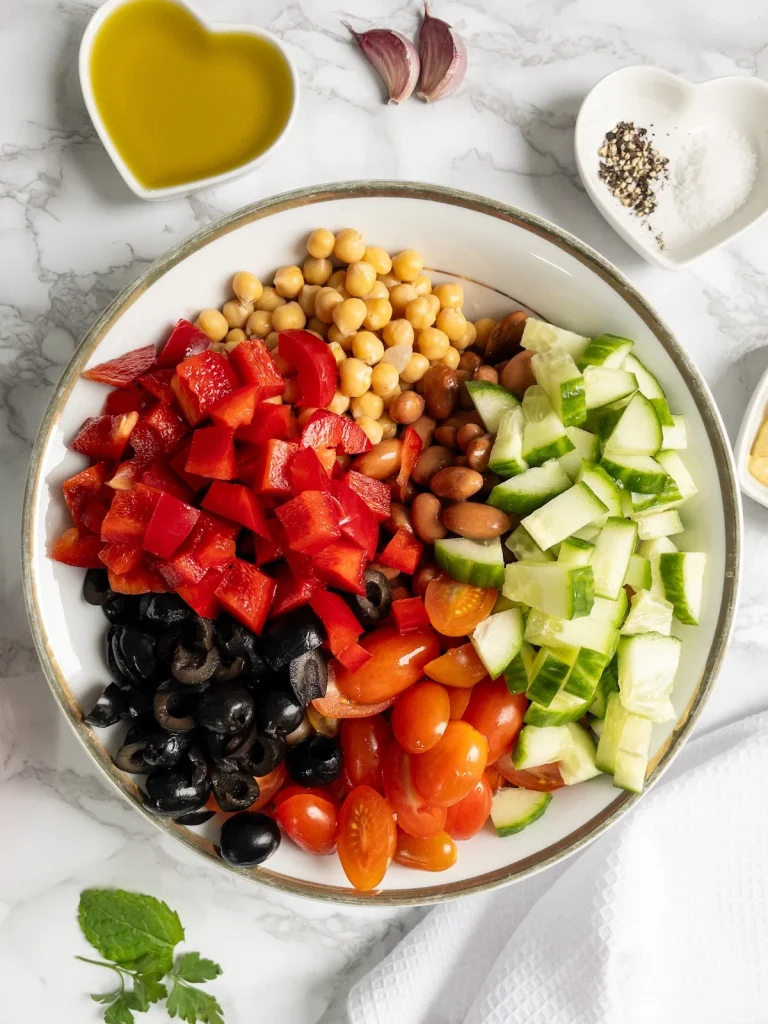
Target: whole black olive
111, 707
234, 791
96, 586
225, 708
315, 761
248, 839
194, 818
121, 609
165, 749
164, 609
174, 708
235, 641
372, 609
193, 665
308, 677
176, 790
279, 712
134, 655
298, 633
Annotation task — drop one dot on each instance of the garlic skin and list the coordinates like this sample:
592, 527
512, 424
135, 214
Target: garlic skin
394, 57
443, 58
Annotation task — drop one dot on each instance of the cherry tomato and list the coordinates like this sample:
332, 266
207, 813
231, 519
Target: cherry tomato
456, 608
459, 666
414, 815
363, 742
435, 853
420, 716
366, 837
467, 817
495, 779
459, 699
335, 705
288, 791
397, 661
268, 786
310, 821
497, 714
544, 778
451, 770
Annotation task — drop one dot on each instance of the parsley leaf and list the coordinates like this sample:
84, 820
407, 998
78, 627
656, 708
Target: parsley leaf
148, 989
124, 926
193, 967
192, 1005
120, 1011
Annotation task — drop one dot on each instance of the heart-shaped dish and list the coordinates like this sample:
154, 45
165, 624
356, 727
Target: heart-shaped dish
222, 36
676, 113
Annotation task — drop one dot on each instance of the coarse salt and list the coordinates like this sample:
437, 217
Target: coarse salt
713, 175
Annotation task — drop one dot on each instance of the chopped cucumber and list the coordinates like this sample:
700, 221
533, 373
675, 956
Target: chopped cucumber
548, 673
624, 744
517, 674
565, 513
608, 684
612, 612
558, 374
539, 336
674, 436
602, 421
610, 560
659, 524
507, 453
604, 386
525, 548
563, 708
650, 387
491, 402
550, 588
647, 666
585, 446
592, 633
596, 725
604, 486
638, 573
636, 472
585, 674
530, 490
652, 549
648, 614
587, 533
682, 576
544, 435
674, 466
498, 639
575, 552
637, 432
480, 562
512, 809
607, 350
570, 746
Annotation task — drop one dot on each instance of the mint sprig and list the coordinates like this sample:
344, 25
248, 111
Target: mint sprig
137, 936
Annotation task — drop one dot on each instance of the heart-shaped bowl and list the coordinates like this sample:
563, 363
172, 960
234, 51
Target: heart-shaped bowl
677, 114
86, 84
504, 258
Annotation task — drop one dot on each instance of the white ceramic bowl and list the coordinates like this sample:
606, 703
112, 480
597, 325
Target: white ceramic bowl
84, 65
505, 258
755, 413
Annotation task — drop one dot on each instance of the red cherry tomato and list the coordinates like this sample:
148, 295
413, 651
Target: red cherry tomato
456, 608
414, 815
288, 791
459, 699
435, 853
366, 837
335, 705
397, 661
495, 779
467, 817
363, 742
451, 770
497, 714
310, 821
543, 778
420, 716
459, 666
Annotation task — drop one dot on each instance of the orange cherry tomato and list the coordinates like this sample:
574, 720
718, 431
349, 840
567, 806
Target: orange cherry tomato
310, 821
435, 853
366, 837
397, 661
451, 770
414, 815
288, 791
363, 742
456, 608
544, 778
497, 714
335, 705
459, 666
420, 716
467, 817
459, 699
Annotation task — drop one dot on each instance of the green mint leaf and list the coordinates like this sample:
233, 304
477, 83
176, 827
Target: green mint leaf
148, 989
120, 1011
159, 961
193, 967
125, 926
192, 1005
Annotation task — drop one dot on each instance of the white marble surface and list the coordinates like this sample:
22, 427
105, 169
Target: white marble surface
71, 236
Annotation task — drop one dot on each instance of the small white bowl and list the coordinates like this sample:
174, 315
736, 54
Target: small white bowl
757, 410
673, 110
86, 48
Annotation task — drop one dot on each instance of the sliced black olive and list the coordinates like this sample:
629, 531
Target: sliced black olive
259, 754
234, 791
164, 609
165, 749
193, 666
372, 609
279, 712
199, 762
109, 648
194, 818
130, 758
121, 609
137, 703
308, 677
96, 586
167, 642
200, 633
234, 640
174, 709
226, 708
111, 707
314, 762
248, 839
134, 654
298, 633
177, 790
225, 673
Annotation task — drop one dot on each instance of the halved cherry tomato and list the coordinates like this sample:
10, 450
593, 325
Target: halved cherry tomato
456, 608
397, 661
543, 778
335, 705
459, 699
435, 853
366, 837
420, 716
414, 815
497, 714
363, 742
459, 666
310, 821
495, 779
450, 771
467, 817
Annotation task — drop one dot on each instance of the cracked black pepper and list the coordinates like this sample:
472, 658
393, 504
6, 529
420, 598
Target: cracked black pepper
631, 167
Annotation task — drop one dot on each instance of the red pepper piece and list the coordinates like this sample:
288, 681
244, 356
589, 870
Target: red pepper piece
209, 377
185, 340
178, 464
188, 402
307, 473
123, 371
271, 472
171, 523
255, 365
121, 558
310, 521
357, 521
323, 429
212, 453
162, 479
342, 564
129, 515
354, 440
127, 400
402, 553
82, 488
94, 514
103, 438
266, 550
340, 622
409, 613
237, 408
412, 445
238, 503
144, 579
126, 476
75, 547
269, 422
201, 596
316, 370
146, 443
328, 458
246, 594
158, 383
168, 424
374, 493
293, 591
354, 657
215, 549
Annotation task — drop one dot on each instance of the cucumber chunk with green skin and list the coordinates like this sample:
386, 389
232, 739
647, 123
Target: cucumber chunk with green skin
539, 336
610, 560
624, 745
596, 725
480, 562
564, 707
659, 524
682, 576
507, 453
498, 639
528, 491
602, 421
649, 386
524, 547
569, 511
558, 374
613, 612
607, 684
652, 550
676, 435
517, 674
597, 635
548, 674
636, 472
607, 350
585, 674
544, 435
638, 573
491, 402
570, 746
676, 469
604, 486
604, 386
637, 432
587, 533
585, 446
575, 552
512, 809
647, 666
551, 588
648, 614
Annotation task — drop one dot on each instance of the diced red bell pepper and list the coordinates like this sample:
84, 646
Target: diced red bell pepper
209, 377
188, 403
238, 503
144, 579
129, 515
340, 623
323, 429
201, 596
410, 451
214, 549
237, 408
342, 564
354, 657
357, 521
271, 474
328, 458
158, 383
403, 552
121, 558
126, 400
268, 422
293, 591
307, 473
255, 365
266, 550
171, 523
185, 340
409, 613
178, 464
212, 453
93, 515
169, 426
375, 494
163, 479
75, 547
103, 438
123, 371
211, 543
126, 476
317, 373
311, 520
246, 593
354, 440
146, 443
82, 488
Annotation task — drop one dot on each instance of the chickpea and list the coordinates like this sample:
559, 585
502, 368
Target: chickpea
423, 284
236, 313
349, 314
338, 404
468, 337
450, 294
384, 379
388, 426
367, 405
317, 327
452, 322
289, 317
269, 300
271, 340
284, 368
213, 323
451, 358
246, 286
389, 280
354, 377
378, 291
367, 347
235, 336
259, 324
307, 297
419, 313
288, 281
349, 246
408, 264
391, 396
304, 415
326, 301
400, 296
407, 407
416, 368
361, 277
372, 428
378, 258
397, 332
320, 243
340, 338
434, 302
337, 352
483, 328
432, 343
379, 313
291, 392
316, 271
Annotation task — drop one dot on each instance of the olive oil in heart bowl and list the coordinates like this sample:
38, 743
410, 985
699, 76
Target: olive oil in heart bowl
180, 104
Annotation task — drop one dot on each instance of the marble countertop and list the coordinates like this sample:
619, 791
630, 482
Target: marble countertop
72, 236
